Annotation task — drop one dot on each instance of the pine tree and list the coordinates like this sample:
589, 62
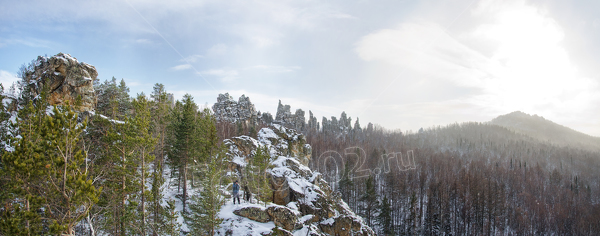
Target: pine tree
208, 156
4, 115
51, 190
202, 217
258, 174
171, 226
369, 200
113, 99
160, 120
384, 218
123, 179
184, 147
412, 219
23, 169
346, 184
144, 148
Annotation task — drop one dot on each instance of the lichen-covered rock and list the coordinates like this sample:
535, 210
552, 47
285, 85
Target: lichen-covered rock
66, 79
283, 217
253, 213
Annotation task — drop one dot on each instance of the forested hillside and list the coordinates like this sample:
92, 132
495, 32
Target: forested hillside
468, 179
546, 130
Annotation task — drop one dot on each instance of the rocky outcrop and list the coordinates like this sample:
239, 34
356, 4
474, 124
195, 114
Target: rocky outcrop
66, 80
253, 213
303, 203
283, 141
283, 113
285, 117
227, 109
312, 124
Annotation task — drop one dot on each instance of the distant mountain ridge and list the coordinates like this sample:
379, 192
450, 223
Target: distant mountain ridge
545, 130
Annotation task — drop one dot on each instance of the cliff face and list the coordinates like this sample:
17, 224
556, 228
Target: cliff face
66, 78
303, 203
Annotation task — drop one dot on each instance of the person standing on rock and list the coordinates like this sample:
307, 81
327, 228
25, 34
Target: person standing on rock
247, 193
236, 192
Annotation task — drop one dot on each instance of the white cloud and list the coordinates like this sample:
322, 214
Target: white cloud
424, 48
192, 58
226, 75
7, 79
217, 49
182, 67
27, 41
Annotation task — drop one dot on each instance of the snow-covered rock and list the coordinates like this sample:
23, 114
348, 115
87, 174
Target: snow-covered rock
303, 203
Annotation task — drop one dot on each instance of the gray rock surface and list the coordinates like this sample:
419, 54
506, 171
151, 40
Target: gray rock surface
66, 79
227, 109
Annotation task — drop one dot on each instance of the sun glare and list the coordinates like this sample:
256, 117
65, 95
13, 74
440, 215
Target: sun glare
531, 67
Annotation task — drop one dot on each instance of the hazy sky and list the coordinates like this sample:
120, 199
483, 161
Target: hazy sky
400, 64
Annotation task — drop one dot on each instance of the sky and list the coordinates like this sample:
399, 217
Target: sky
400, 64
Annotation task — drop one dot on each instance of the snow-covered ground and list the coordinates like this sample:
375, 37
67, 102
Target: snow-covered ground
237, 225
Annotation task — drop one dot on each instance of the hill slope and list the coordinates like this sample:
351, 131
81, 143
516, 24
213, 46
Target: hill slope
545, 130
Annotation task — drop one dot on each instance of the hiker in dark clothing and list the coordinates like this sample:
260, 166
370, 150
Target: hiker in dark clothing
247, 194
236, 192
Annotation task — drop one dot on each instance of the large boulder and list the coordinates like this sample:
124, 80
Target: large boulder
66, 79
254, 213
283, 217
